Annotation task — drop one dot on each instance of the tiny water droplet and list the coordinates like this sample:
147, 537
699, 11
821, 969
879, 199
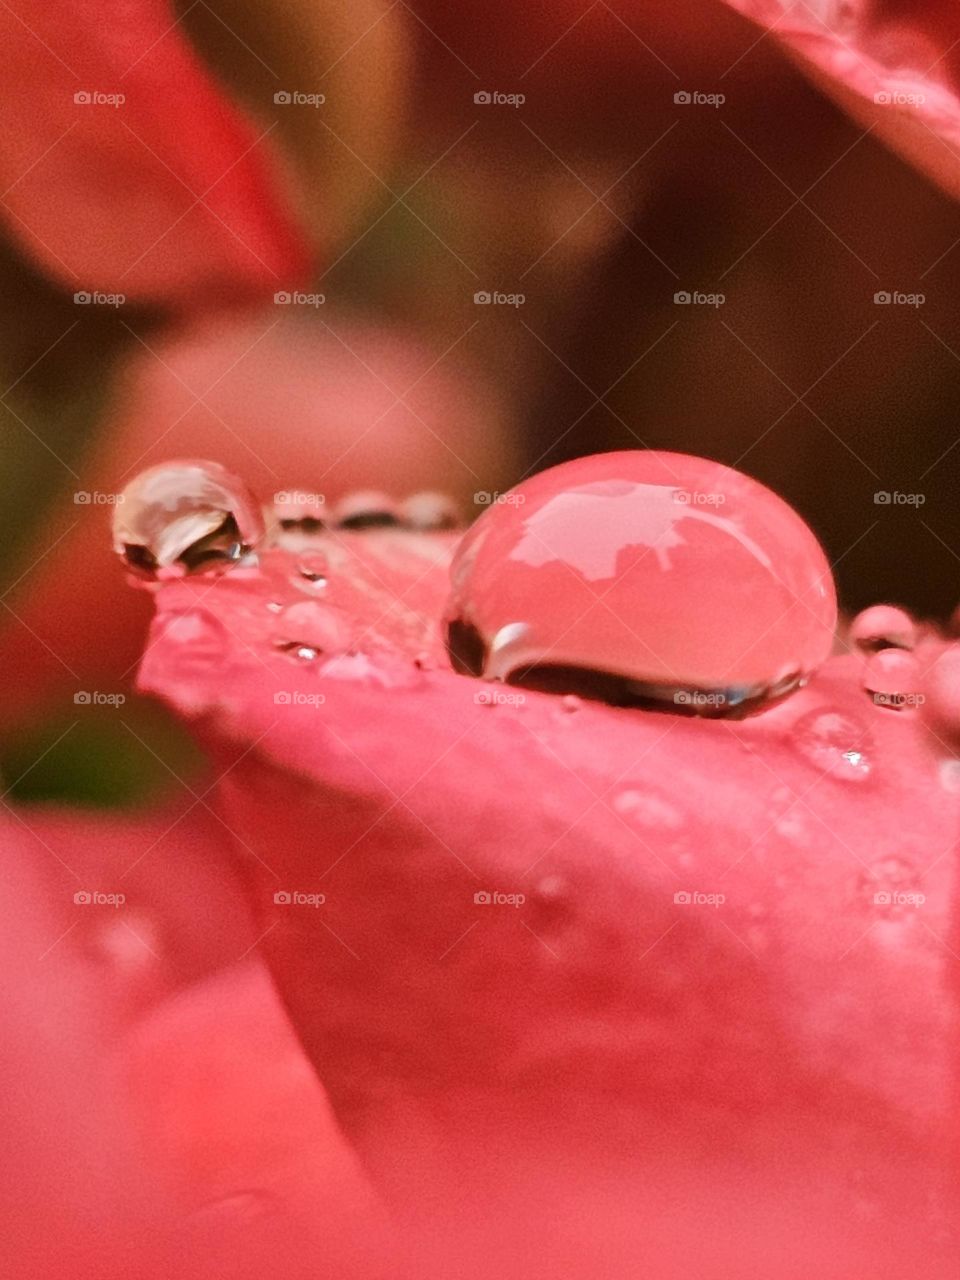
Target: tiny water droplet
274, 606
367, 510
185, 517
570, 703
310, 628
647, 809
430, 512
297, 512
624, 576
835, 743
313, 569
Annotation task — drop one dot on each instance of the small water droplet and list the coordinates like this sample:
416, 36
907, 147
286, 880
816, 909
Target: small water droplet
183, 518
883, 626
570, 703
430, 512
367, 510
313, 569
892, 678
648, 809
891, 886
297, 512
835, 743
792, 827
941, 689
196, 633
308, 628
274, 606
623, 576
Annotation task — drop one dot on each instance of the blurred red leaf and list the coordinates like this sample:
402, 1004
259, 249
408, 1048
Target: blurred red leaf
890, 65
126, 169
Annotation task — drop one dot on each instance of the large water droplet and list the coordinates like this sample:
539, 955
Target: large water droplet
661, 575
185, 517
835, 743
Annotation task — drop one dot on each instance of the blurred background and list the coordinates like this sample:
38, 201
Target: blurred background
271, 251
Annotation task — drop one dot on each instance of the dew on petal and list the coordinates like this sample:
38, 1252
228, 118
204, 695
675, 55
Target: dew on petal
367, 510
313, 568
643, 576
297, 511
892, 678
891, 886
311, 626
836, 743
941, 698
883, 626
430, 512
185, 517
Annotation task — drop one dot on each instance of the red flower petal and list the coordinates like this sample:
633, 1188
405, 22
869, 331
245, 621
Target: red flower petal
604, 1020
166, 197
192, 1088
890, 66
